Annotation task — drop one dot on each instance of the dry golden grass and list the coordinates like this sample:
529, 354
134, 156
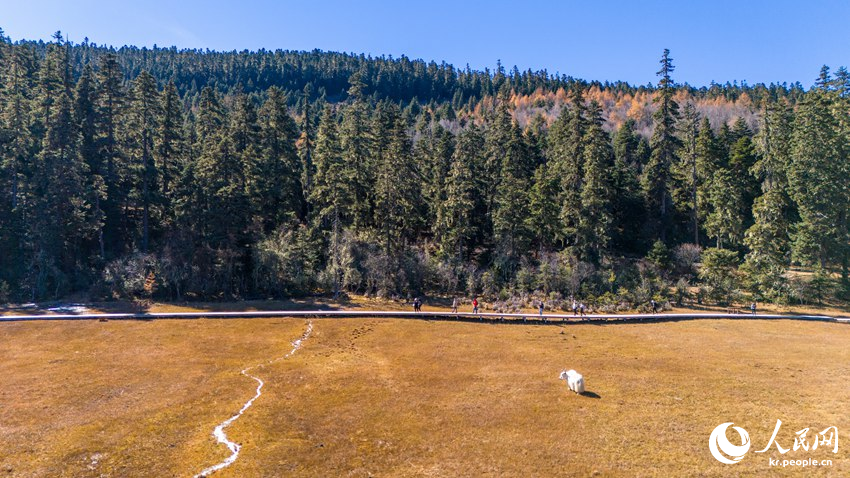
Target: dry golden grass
410, 398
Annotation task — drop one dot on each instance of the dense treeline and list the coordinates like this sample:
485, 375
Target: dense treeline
326, 74
204, 174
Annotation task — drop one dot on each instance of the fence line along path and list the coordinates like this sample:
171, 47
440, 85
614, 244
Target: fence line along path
490, 317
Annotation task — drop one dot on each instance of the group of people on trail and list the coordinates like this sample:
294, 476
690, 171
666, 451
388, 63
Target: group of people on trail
417, 305
578, 308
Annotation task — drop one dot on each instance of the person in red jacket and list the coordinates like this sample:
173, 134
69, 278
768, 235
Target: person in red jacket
474, 305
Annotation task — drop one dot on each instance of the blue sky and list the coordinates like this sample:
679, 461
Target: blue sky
721, 40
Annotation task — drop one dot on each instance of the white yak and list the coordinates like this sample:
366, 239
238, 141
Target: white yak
574, 380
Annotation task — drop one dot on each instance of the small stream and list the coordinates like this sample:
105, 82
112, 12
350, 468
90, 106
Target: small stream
219, 433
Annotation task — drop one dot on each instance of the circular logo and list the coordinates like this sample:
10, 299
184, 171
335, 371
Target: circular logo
718, 442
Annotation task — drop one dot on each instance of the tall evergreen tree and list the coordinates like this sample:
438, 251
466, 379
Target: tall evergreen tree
56, 215
143, 117
496, 140
356, 142
725, 222
544, 212
686, 170
816, 177
742, 157
111, 99
85, 118
462, 211
567, 155
437, 176
665, 147
597, 191
511, 222
275, 176
626, 142
221, 215
170, 147
305, 150
396, 191
768, 239
333, 191
17, 144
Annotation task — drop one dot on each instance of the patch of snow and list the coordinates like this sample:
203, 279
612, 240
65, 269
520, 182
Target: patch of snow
70, 309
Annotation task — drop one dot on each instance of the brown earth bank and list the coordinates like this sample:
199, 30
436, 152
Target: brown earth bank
370, 397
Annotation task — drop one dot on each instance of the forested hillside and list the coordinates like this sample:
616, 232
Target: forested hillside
200, 174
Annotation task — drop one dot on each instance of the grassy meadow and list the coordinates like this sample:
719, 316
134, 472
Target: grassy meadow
414, 398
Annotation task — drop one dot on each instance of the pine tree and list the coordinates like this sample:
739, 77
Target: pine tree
436, 177
85, 118
17, 72
305, 150
210, 116
244, 139
193, 202
626, 142
665, 146
220, 180
462, 217
816, 177
725, 222
396, 187
356, 142
496, 140
275, 178
597, 191
544, 212
567, 155
17, 76
536, 137
628, 208
686, 170
170, 146
511, 221
333, 192
110, 111
742, 157
56, 216
768, 239
708, 159
143, 117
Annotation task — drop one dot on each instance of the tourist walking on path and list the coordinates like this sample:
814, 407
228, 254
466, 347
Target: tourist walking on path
454, 305
474, 305
575, 307
753, 308
417, 305
581, 309
654, 306
540, 308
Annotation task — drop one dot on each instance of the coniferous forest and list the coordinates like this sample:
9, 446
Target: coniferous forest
189, 174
